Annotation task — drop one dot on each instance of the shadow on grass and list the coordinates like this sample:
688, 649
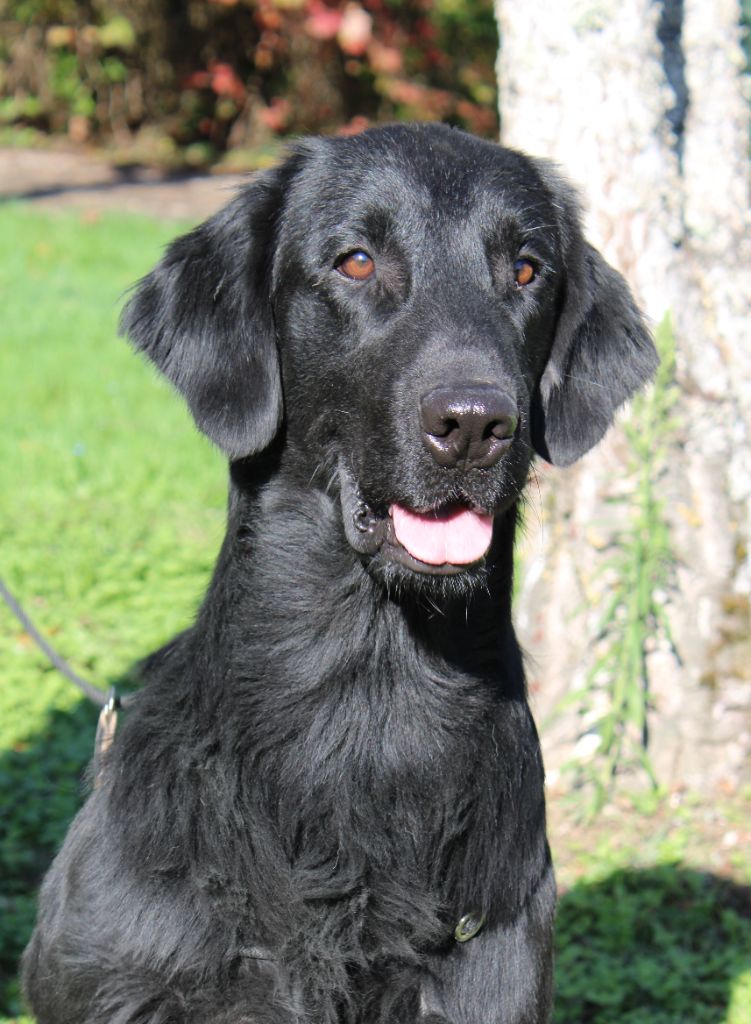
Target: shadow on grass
662, 945
42, 784
656, 946
128, 174
41, 789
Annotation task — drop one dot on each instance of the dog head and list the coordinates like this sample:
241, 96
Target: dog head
421, 312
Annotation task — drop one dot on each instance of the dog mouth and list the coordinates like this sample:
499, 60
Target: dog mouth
445, 540
454, 535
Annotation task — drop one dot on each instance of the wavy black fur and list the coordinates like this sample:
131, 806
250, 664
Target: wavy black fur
337, 760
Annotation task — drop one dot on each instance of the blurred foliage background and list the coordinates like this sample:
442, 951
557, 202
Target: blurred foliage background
186, 81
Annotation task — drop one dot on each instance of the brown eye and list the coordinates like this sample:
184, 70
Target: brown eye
357, 265
524, 272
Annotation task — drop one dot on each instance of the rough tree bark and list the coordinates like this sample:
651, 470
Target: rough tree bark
642, 104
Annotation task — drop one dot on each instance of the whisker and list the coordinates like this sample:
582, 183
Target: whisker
585, 380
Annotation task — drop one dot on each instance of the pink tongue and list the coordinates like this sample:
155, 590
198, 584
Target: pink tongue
458, 537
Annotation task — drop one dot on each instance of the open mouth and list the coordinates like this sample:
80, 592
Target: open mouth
441, 541
454, 535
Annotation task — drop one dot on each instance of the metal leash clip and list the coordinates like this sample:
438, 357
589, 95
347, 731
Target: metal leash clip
105, 732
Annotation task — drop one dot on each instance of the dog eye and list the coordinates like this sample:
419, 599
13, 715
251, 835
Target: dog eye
356, 265
524, 272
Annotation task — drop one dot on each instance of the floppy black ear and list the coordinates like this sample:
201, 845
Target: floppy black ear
602, 351
203, 316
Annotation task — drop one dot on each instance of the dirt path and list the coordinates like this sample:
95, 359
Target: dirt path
56, 179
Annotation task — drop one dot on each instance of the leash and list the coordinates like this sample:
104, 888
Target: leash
94, 694
108, 703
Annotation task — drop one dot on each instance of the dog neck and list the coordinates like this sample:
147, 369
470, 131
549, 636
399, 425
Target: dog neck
286, 563
348, 711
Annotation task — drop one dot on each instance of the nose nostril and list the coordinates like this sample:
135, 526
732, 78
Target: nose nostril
445, 428
469, 425
501, 429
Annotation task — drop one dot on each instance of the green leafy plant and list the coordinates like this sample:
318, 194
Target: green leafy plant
615, 700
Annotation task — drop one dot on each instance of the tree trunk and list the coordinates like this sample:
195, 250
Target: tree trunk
642, 104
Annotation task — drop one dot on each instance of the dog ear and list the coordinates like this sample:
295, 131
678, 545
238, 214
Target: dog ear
602, 351
204, 317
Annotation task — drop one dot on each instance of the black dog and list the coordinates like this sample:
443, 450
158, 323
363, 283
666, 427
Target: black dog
327, 805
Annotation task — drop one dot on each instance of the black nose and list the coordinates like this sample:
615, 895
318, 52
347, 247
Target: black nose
468, 425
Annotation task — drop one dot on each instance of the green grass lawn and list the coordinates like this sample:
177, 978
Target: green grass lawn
111, 513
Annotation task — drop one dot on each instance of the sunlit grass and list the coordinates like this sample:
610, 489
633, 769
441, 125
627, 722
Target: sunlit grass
111, 504
111, 513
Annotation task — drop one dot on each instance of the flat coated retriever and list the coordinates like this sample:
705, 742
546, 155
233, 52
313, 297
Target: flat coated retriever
327, 805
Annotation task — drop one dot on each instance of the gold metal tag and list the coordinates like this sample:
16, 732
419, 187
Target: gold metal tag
469, 925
